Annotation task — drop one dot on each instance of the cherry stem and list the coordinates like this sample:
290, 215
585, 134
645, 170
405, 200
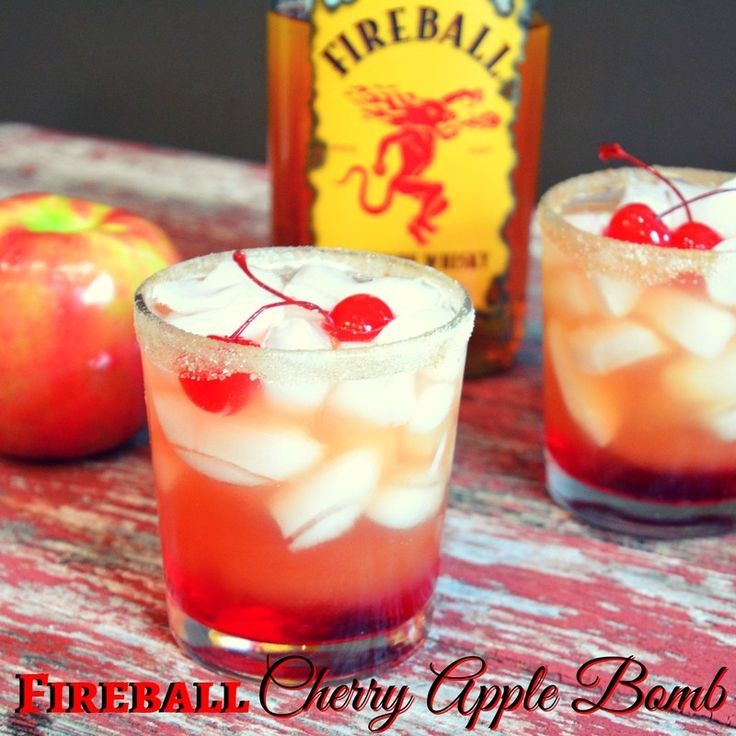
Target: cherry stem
608, 151
234, 340
697, 198
286, 301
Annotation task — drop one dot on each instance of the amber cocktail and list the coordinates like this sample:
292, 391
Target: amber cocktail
639, 366
301, 481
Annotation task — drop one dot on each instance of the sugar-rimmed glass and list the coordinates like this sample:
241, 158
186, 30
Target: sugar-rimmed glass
308, 521
640, 369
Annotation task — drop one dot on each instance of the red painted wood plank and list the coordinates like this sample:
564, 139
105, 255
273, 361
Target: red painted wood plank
522, 585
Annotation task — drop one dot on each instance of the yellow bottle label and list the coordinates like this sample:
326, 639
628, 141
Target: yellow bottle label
413, 149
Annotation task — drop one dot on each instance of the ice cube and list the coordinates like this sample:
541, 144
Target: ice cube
449, 369
569, 293
328, 502
590, 222
229, 447
406, 502
618, 295
718, 211
700, 327
606, 346
221, 321
403, 296
296, 395
723, 424
328, 527
411, 324
436, 464
590, 405
322, 285
298, 333
387, 401
721, 278
433, 405
218, 469
708, 384
189, 297
267, 276
224, 274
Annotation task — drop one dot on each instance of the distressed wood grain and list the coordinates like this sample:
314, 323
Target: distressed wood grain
522, 583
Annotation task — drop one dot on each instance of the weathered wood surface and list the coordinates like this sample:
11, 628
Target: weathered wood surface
522, 583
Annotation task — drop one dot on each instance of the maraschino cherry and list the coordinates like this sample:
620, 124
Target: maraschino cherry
638, 223
357, 318
695, 235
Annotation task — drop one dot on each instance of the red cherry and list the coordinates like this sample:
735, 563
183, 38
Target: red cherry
359, 318
696, 236
637, 223
219, 395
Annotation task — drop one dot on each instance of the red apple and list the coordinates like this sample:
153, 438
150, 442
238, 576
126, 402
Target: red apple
70, 372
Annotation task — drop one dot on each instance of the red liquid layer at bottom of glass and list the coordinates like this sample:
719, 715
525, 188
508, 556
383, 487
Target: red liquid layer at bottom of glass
606, 491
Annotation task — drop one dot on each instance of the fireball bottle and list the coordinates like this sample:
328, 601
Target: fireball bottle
413, 129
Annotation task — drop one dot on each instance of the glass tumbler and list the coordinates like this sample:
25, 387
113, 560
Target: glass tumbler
639, 369
305, 520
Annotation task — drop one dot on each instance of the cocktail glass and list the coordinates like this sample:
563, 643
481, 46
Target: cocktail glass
639, 369
306, 519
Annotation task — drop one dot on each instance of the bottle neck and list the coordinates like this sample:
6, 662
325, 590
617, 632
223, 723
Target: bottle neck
293, 8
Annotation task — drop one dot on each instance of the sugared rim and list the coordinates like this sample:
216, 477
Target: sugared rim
618, 257
171, 347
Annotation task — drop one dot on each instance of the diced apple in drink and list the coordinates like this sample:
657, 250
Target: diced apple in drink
603, 347
387, 401
721, 278
618, 295
590, 403
707, 384
233, 451
323, 285
569, 293
700, 327
326, 504
406, 502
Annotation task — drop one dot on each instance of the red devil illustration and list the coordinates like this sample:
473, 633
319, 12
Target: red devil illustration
419, 124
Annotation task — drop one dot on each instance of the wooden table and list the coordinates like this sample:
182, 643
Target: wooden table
522, 584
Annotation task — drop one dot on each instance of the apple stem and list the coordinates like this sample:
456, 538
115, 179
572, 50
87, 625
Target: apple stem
697, 198
608, 151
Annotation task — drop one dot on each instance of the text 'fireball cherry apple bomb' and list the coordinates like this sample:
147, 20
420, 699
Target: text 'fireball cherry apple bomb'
413, 130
